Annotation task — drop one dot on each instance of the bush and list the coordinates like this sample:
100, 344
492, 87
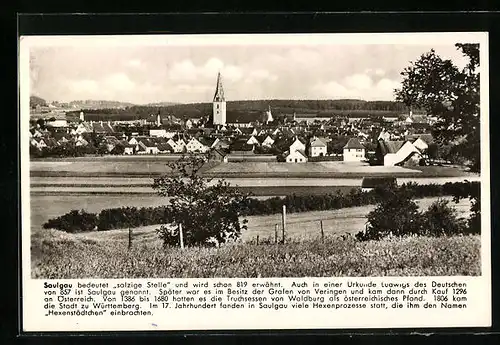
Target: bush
397, 214
116, 218
441, 219
74, 221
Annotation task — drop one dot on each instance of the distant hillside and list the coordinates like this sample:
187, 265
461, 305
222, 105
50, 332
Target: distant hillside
35, 100
312, 108
98, 104
160, 104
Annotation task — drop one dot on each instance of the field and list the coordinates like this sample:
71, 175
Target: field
146, 166
63, 256
56, 254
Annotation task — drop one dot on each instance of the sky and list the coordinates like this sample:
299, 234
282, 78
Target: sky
187, 73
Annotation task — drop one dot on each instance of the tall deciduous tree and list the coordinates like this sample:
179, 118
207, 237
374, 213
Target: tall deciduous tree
208, 213
449, 93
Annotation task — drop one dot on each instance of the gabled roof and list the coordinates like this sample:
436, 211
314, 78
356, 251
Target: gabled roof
164, 147
240, 146
353, 143
318, 142
206, 141
427, 138
302, 153
390, 146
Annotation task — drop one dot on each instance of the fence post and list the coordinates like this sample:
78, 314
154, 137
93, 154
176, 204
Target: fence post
129, 238
275, 233
257, 239
322, 232
283, 223
181, 236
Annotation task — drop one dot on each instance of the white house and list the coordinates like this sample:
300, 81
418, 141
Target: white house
317, 147
253, 141
420, 144
194, 145
297, 156
158, 133
268, 142
398, 152
147, 146
354, 151
297, 145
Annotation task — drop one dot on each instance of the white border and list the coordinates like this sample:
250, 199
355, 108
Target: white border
482, 291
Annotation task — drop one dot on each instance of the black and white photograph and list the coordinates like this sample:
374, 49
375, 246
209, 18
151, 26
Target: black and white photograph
261, 156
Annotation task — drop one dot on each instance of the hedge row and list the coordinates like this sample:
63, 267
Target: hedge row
115, 218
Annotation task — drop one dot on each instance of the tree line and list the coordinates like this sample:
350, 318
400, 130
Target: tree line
123, 217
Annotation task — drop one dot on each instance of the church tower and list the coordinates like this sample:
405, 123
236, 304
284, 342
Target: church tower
219, 104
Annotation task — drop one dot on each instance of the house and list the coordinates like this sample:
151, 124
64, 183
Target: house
218, 155
221, 144
209, 143
253, 141
297, 145
194, 145
102, 127
164, 148
420, 141
240, 147
268, 141
317, 147
370, 183
384, 135
80, 141
158, 133
147, 146
398, 152
354, 151
57, 123
297, 156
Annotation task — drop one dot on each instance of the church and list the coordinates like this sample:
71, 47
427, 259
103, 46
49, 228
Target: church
219, 104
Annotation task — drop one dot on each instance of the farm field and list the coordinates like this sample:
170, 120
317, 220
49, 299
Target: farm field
299, 225
137, 166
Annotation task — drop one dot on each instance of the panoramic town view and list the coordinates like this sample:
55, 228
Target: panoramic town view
249, 161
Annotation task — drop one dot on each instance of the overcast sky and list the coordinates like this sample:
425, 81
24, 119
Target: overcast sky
145, 74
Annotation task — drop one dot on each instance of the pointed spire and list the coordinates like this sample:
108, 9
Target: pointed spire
219, 91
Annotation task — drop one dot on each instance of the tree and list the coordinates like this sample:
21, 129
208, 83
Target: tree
452, 95
396, 214
208, 213
119, 149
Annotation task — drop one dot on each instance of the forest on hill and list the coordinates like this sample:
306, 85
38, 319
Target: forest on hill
322, 108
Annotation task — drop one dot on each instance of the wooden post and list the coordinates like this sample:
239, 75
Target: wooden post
322, 233
283, 223
181, 236
257, 239
129, 238
275, 233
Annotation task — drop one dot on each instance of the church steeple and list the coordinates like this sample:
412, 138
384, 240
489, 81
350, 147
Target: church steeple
219, 104
219, 91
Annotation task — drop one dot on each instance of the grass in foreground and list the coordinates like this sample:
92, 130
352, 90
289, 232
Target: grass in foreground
63, 256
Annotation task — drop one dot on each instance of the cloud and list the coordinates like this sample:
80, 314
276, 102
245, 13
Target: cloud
84, 86
358, 81
359, 86
119, 82
134, 63
184, 70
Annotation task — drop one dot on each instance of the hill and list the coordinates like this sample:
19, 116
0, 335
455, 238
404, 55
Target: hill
320, 108
98, 104
35, 100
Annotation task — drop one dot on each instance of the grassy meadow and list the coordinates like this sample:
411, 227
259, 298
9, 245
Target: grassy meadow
63, 256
